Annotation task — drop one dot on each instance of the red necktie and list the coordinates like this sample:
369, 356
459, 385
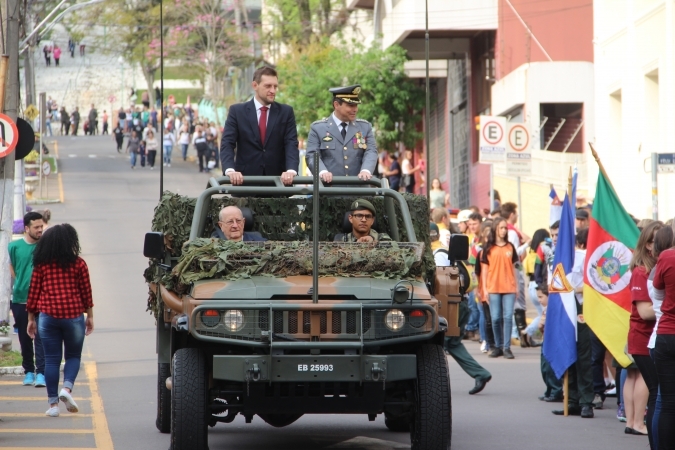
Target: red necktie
263, 123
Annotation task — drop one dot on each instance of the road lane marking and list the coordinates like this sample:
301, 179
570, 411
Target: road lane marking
19, 383
93, 156
45, 448
61, 193
32, 399
46, 430
99, 421
15, 414
72, 155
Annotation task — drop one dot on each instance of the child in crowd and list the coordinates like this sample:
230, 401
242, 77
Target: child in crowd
554, 391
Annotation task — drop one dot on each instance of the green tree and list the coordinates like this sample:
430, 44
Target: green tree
298, 23
134, 30
391, 101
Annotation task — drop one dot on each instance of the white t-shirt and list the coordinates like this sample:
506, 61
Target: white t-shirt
576, 277
657, 299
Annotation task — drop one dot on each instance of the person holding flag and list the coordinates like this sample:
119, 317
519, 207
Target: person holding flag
612, 237
567, 336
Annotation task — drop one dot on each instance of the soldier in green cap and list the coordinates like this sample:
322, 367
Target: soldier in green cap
362, 217
345, 144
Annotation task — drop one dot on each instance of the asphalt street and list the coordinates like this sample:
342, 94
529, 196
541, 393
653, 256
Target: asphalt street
111, 207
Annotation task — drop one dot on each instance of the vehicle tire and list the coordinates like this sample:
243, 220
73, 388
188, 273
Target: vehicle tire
431, 427
189, 404
163, 422
397, 424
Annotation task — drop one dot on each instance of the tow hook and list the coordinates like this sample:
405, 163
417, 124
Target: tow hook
377, 371
254, 372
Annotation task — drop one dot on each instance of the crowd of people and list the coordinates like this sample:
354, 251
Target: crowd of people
182, 127
506, 268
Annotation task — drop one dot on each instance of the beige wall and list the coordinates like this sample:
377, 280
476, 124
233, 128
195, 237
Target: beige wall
535, 210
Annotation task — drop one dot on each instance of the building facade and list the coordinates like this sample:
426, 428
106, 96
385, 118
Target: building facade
635, 97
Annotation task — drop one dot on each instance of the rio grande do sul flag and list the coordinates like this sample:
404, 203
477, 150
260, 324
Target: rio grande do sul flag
611, 240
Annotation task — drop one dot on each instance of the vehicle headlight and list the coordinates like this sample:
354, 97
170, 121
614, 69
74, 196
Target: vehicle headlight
394, 319
210, 317
233, 319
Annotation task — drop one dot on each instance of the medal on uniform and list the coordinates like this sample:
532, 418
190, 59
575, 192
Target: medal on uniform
359, 141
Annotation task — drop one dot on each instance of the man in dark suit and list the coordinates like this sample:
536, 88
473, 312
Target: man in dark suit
263, 133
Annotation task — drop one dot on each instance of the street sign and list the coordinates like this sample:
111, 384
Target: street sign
9, 135
31, 112
492, 142
46, 168
518, 150
666, 162
112, 99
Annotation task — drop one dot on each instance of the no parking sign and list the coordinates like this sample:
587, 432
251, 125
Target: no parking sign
9, 135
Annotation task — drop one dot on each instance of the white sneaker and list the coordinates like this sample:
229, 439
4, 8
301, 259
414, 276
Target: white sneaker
66, 398
53, 412
483, 347
168, 165
164, 164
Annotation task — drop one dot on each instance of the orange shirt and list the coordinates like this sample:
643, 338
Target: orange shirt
501, 278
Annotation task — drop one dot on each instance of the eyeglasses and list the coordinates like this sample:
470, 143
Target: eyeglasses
363, 216
231, 222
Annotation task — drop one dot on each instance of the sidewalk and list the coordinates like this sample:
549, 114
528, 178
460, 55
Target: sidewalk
22, 412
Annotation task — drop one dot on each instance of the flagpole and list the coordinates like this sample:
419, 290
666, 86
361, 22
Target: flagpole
602, 168
566, 377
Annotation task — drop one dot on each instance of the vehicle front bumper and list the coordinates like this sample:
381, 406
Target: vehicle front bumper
320, 368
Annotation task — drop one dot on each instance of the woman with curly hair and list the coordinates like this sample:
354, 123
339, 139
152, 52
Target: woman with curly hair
61, 292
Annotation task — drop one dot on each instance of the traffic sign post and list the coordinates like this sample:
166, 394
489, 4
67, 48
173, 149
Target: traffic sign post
492, 142
518, 151
9, 135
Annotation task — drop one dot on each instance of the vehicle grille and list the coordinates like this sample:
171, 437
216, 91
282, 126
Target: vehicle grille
294, 322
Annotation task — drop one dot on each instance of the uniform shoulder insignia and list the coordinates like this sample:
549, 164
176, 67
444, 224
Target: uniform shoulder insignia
363, 120
320, 120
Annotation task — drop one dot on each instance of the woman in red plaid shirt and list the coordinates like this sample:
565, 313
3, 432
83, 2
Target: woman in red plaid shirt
61, 292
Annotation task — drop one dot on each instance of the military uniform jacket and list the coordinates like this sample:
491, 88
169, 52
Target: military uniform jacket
340, 157
349, 237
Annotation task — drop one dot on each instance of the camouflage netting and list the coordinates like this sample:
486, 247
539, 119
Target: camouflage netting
282, 219
209, 258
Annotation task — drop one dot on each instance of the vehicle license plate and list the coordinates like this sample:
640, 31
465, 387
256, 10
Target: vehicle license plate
315, 367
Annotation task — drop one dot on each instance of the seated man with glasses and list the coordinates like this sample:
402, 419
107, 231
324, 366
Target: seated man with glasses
362, 218
231, 222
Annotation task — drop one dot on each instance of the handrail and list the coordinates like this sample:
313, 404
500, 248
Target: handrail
569, 142
555, 133
345, 188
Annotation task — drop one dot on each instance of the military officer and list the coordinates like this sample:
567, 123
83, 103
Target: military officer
346, 145
362, 217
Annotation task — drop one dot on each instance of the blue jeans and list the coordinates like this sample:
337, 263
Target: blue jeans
167, 153
482, 326
59, 335
664, 358
133, 159
534, 325
657, 412
474, 315
184, 149
501, 310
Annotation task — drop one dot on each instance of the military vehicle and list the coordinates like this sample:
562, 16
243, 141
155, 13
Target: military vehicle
335, 327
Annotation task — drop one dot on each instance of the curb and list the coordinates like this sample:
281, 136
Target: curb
17, 370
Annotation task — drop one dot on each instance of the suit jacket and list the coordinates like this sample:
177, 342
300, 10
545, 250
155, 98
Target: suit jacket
249, 236
341, 157
277, 154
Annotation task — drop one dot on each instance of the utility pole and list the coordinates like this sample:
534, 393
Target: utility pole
10, 97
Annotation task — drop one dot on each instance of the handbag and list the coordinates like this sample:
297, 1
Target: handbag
405, 181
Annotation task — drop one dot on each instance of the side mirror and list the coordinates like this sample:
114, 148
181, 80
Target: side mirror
153, 247
459, 247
